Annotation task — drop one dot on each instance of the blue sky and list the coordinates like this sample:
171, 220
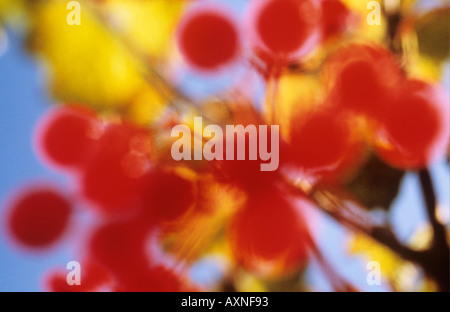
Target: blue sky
22, 101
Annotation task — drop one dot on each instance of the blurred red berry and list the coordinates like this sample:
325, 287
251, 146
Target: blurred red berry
268, 235
320, 140
334, 18
167, 196
39, 216
114, 179
208, 38
156, 279
362, 78
248, 173
415, 130
92, 278
65, 137
283, 29
121, 248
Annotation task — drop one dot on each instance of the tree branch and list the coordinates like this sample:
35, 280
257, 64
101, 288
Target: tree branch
434, 261
437, 263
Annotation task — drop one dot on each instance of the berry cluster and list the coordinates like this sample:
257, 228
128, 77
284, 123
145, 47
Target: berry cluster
153, 217
110, 165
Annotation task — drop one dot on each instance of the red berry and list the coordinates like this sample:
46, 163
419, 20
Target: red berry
55, 281
93, 278
415, 130
208, 38
120, 247
114, 178
248, 173
268, 235
359, 86
320, 140
334, 18
167, 196
362, 78
39, 216
156, 279
66, 136
283, 29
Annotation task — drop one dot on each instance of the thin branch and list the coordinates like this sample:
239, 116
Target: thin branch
382, 234
430, 201
435, 260
173, 96
438, 261
338, 282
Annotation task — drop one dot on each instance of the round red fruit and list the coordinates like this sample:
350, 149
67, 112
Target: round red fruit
362, 78
334, 18
167, 195
39, 216
92, 278
268, 236
113, 180
415, 131
120, 247
320, 141
65, 137
283, 29
156, 279
208, 38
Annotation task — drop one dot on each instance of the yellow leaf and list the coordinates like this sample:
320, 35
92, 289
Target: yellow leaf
197, 231
422, 237
84, 62
146, 107
296, 93
249, 283
373, 251
148, 24
365, 31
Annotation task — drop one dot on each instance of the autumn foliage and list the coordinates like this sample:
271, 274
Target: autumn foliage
346, 95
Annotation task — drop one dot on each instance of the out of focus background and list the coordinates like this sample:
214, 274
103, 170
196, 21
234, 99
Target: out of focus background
30, 85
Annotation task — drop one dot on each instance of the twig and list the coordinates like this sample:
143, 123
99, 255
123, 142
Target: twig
438, 261
338, 282
434, 261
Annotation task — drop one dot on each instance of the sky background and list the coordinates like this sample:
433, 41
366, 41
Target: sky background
23, 100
